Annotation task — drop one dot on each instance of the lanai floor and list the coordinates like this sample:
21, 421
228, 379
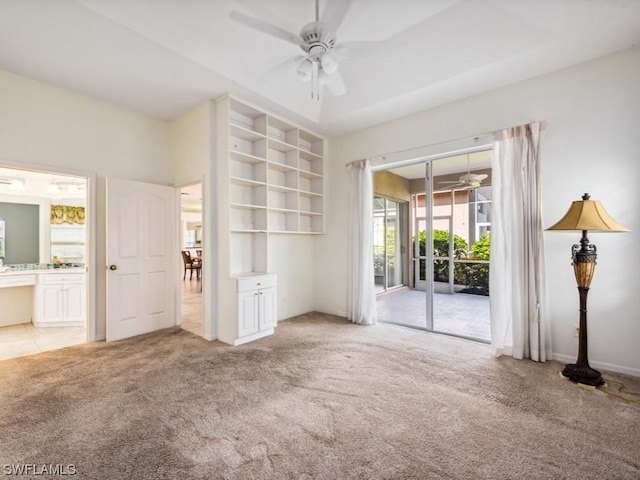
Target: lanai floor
458, 313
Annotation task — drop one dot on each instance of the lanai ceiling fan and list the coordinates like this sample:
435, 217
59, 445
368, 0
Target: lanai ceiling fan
321, 53
469, 180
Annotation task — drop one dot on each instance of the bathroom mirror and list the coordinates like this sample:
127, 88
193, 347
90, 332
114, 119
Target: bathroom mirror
2, 238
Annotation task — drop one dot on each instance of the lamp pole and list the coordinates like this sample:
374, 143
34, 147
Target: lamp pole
584, 264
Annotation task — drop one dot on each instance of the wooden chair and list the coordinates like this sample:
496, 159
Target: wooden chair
191, 264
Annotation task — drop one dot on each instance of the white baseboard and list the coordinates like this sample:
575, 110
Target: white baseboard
599, 365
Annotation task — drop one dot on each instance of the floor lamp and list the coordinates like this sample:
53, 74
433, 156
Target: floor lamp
585, 215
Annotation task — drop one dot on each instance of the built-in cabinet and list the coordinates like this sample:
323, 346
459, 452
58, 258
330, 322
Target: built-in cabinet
256, 307
270, 181
60, 300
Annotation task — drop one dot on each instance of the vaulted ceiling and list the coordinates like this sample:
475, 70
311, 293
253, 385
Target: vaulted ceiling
161, 57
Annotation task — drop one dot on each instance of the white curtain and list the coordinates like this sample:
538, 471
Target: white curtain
519, 318
361, 294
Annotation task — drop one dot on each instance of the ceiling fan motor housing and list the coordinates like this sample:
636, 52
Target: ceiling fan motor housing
317, 39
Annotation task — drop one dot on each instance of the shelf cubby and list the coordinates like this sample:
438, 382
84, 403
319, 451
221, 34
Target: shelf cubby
246, 218
246, 118
310, 223
280, 221
311, 203
288, 160
252, 148
280, 177
311, 143
247, 193
283, 132
248, 252
248, 170
310, 163
283, 199
310, 183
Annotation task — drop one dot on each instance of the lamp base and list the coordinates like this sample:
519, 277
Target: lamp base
583, 374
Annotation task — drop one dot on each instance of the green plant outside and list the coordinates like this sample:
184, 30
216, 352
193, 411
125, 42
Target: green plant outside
379, 252
474, 275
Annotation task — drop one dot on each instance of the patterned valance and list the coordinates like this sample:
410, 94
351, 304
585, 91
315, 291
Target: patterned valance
66, 214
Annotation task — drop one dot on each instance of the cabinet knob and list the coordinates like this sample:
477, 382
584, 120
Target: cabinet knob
113, 267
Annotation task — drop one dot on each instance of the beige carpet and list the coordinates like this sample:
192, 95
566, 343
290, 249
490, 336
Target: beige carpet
322, 399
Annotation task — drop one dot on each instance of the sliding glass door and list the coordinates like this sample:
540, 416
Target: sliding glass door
450, 220
389, 248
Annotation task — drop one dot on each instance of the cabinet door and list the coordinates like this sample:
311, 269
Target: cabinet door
247, 313
267, 308
74, 303
50, 303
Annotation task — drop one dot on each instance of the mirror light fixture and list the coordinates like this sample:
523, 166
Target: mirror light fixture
15, 183
583, 216
56, 186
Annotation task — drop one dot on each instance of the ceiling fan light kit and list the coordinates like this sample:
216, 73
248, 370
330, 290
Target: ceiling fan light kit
468, 180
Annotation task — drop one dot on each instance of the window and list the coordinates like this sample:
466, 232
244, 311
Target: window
68, 242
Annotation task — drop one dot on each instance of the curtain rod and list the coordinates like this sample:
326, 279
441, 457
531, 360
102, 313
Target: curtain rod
436, 148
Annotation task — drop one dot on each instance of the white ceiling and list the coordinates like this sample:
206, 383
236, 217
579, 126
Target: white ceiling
161, 57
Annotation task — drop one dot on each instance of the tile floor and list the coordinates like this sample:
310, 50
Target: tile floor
25, 339
459, 314
192, 305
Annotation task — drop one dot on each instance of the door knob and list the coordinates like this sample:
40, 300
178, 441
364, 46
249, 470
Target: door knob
113, 267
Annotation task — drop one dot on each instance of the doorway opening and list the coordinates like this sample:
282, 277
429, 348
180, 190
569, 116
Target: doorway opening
191, 258
449, 237
44, 251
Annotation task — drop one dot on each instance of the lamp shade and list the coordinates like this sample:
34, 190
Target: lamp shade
587, 214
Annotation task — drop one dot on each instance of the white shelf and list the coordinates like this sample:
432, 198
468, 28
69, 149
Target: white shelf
246, 157
245, 133
275, 174
280, 146
281, 167
246, 182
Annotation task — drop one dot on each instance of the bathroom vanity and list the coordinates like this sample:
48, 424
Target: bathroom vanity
47, 298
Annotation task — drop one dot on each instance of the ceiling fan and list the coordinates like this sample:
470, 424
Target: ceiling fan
468, 180
321, 54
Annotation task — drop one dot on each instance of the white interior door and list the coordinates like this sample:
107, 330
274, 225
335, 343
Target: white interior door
141, 258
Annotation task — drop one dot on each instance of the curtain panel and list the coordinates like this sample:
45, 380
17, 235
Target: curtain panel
361, 289
518, 301
67, 214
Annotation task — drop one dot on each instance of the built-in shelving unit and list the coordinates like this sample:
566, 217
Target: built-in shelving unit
275, 174
269, 181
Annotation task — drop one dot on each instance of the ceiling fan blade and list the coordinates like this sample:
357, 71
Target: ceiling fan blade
284, 69
334, 13
481, 177
335, 84
367, 49
456, 182
449, 187
265, 27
